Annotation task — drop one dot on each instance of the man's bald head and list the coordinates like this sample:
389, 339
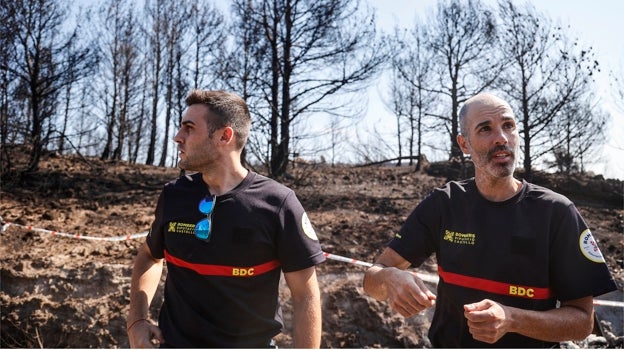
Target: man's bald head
472, 104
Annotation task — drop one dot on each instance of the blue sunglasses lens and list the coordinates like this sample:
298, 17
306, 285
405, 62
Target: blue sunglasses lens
202, 229
206, 205
204, 226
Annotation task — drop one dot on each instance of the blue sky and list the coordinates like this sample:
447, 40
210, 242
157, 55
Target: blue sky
596, 23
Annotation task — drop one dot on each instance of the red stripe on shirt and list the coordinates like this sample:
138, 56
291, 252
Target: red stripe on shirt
223, 270
495, 287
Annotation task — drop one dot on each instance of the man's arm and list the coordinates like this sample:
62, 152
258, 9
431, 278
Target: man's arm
146, 275
405, 292
489, 321
306, 298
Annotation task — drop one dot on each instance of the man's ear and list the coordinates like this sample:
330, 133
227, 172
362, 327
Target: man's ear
463, 144
227, 135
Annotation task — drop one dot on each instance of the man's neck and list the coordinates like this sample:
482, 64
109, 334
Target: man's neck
498, 189
222, 180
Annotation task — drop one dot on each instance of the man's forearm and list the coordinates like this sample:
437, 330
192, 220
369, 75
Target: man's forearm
307, 322
373, 284
146, 275
306, 299
572, 321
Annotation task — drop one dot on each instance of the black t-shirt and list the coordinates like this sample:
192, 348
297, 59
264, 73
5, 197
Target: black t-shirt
224, 293
526, 252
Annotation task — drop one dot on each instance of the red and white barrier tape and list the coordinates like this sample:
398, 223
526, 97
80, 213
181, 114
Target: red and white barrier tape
5, 225
608, 303
347, 260
425, 277
434, 279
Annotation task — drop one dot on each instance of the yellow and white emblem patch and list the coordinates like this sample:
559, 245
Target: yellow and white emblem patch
306, 225
589, 247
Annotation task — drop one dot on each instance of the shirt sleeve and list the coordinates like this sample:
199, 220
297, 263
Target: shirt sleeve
578, 268
415, 241
298, 244
155, 238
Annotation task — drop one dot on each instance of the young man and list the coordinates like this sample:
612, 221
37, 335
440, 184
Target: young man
226, 234
508, 251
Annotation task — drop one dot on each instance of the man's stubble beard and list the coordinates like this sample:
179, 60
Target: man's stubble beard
487, 164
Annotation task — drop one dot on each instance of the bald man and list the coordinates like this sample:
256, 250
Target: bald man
518, 265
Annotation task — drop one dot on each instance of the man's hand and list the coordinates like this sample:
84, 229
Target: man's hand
488, 321
407, 294
389, 280
143, 334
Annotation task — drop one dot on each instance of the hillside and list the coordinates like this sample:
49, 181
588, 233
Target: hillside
60, 291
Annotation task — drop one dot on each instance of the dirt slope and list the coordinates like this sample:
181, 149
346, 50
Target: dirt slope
59, 291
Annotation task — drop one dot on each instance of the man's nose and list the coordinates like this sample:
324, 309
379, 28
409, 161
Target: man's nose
501, 138
177, 138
